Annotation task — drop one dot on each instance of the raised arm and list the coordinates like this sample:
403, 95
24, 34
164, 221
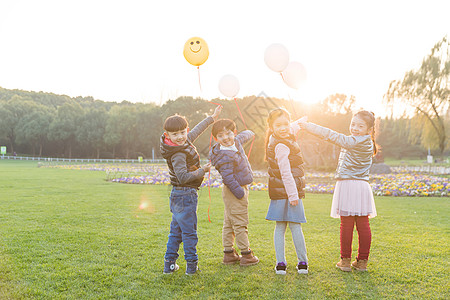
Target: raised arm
200, 127
342, 140
245, 136
295, 126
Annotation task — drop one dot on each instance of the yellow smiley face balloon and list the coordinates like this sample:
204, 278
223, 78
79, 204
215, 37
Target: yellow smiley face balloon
196, 51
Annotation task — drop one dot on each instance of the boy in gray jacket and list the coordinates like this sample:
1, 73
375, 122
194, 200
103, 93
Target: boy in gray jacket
186, 176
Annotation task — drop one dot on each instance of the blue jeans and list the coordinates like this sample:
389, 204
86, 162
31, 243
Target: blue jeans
183, 228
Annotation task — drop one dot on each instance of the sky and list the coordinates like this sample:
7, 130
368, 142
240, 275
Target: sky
133, 50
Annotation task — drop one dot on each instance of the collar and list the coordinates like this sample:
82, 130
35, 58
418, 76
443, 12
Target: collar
232, 147
167, 141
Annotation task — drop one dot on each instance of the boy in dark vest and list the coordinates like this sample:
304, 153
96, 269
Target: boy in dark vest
186, 176
228, 157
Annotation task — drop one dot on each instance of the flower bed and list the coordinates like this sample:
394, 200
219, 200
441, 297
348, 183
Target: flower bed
398, 184
406, 184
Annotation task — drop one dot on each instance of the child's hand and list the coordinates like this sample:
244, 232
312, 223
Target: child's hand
217, 112
206, 167
302, 122
294, 203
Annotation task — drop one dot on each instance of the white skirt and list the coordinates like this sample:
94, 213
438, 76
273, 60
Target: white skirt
353, 198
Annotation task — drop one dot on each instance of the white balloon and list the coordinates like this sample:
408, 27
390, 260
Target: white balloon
294, 75
276, 57
229, 85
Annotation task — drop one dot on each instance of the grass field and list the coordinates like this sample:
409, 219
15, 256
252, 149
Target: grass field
416, 162
69, 234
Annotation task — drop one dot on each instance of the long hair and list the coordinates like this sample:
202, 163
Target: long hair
369, 118
273, 115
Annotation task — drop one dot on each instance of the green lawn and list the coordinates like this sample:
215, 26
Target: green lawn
415, 162
69, 234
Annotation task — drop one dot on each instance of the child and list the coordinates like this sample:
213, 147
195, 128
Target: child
286, 183
186, 175
352, 199
229, 158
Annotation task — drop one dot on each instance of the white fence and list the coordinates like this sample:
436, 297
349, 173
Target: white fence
83, 160
429, 169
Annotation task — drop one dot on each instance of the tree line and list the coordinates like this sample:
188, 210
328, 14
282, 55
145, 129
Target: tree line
50, 125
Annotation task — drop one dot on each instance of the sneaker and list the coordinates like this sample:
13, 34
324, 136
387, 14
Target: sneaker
360, 265
192, 267
344, 264
170, 267
302, 267
280, 269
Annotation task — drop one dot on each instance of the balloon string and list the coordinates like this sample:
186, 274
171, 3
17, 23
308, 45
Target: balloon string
251, 146
200, 85
293, 106
209, 180
199, 82
242, 118
243, 121
210, 141
214, 103
291, 100
209, 173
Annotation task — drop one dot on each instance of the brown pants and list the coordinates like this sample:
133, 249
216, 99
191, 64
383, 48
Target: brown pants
235, 220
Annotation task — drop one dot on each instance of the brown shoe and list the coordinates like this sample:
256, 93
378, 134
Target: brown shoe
230, 257
248, 259
344, 264
360, 265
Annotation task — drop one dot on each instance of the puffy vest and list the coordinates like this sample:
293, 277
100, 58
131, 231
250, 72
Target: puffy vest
276, 186
192, 161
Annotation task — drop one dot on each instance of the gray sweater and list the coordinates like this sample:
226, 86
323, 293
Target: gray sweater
356, 154
179, 159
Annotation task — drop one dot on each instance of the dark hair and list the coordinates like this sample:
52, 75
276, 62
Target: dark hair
222, 124
273, 115
175, 123
369, 118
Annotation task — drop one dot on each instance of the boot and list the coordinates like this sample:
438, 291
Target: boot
360, 264
230, 257
248, 259
344, 264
